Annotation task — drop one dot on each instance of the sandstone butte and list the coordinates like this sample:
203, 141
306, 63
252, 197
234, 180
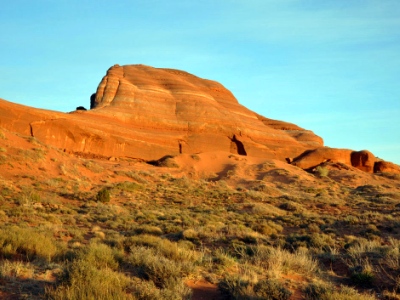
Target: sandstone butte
148, 113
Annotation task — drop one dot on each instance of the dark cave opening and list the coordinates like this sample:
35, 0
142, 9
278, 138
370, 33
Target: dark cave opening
92, 100
237, 146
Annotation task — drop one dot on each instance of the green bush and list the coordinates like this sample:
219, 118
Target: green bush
152, 266
103, 195
361, 277
28, 242
317, 290
174, 290
271, 290
322, 171
84, 280
236, 287
99, 255
324, 291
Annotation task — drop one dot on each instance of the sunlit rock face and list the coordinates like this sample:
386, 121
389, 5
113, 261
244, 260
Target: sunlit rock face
183, 113
363, 160
147, 113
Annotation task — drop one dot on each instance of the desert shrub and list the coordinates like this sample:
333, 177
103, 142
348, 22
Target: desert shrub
234, 287
16, 269
174, 290
276, 261
255, 195
271, 290
362, 275
295, 241
291, 206
321, 240
242, 287
268, 228
371, 229
164, 247
148, 229
34, 154
317, 290
3, 159
325, 291
3, 215
84, 280
393, 176
127, 186
223, 259
267, 209
99, 255
314, 228
322, 171
134, 175
28, 242
103, 195
150, 265
94, 167
190, 234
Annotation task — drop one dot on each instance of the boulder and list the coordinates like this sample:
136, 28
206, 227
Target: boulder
386, 167
313, 158
363, 160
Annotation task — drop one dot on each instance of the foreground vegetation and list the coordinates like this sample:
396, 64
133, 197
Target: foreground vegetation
149, 233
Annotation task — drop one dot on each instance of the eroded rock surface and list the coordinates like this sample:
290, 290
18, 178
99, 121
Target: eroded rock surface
386, 167
144, 112
192, 115
312, 158
363, 160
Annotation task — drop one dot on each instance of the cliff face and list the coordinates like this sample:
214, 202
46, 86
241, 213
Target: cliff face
148, 113
186, 114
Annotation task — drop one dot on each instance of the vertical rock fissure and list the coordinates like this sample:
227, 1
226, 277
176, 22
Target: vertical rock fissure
31, 129
237, 146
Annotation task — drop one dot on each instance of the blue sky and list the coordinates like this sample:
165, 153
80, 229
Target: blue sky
331, 66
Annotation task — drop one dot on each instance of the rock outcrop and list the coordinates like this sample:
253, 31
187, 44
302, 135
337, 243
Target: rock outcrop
363, 160
192, 115
148, 113
144, 112
386, 167
313, 158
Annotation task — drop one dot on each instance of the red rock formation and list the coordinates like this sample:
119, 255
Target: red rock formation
363, 160
145, 112
201, 115
312, 158
386, 167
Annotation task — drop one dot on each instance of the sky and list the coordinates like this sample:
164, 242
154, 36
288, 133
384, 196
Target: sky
330, 66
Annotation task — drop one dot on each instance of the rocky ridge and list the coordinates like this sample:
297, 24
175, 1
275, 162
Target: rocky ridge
148, 113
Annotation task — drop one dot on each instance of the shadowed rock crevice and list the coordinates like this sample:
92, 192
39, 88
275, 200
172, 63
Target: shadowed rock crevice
237, 147
93, 100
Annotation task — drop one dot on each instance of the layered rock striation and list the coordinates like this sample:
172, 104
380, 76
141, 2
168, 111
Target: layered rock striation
182, 113
147, 113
